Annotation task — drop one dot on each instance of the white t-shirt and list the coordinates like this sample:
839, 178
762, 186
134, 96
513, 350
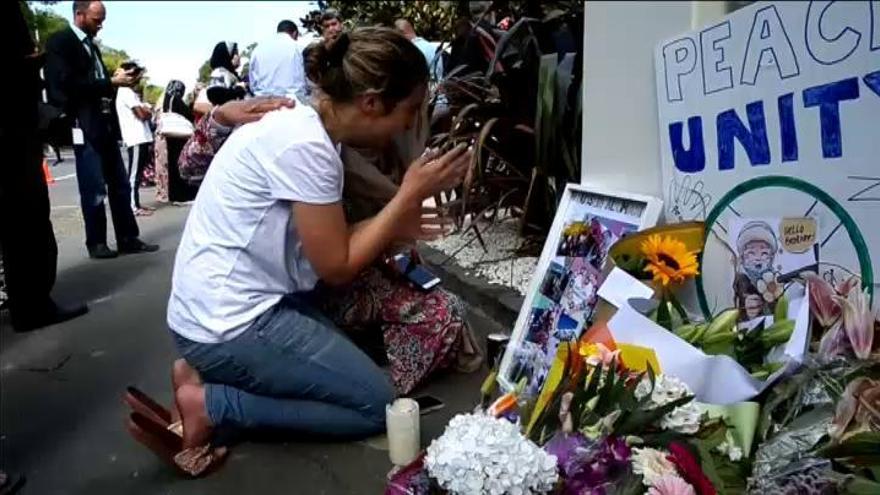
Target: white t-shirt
134, 130
276, 68
240, 252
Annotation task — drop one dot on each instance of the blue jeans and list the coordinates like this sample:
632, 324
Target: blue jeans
292, 369
101, 173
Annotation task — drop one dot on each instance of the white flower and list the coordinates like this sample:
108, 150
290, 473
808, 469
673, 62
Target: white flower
683, 419
652, 464
729, 448
481, 454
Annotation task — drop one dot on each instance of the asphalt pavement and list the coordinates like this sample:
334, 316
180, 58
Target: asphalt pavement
61, 414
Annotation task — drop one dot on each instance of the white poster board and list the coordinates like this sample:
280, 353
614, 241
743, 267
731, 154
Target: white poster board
775, 111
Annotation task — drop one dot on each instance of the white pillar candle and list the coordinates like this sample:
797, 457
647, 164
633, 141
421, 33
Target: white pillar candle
402, 422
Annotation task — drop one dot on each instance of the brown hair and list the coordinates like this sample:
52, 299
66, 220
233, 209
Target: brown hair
367, 60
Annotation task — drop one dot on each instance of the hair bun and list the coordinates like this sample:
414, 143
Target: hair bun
336, 50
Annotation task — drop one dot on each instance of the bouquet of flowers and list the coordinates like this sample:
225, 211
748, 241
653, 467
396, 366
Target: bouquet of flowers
668, 256
597, 427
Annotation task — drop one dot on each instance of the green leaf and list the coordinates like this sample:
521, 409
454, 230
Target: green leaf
664, 318
728, 478
861, 449
862, 486
678, 308
780, 312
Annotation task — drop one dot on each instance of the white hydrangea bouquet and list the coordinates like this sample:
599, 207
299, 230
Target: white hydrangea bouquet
480, 454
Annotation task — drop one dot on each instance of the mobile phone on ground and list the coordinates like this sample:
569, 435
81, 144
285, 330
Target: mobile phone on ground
415, 273
428, 404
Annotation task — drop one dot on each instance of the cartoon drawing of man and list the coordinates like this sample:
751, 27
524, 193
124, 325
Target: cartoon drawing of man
755, 286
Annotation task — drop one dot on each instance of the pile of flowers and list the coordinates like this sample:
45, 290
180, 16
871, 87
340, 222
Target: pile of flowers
599, 428
604, 423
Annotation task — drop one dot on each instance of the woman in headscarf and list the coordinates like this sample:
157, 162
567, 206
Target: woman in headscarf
225, 84
168, 149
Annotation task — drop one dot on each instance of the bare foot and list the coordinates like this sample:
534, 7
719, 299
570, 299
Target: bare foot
182, 374
197, 426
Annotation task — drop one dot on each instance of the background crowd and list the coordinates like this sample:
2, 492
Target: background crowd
122, 143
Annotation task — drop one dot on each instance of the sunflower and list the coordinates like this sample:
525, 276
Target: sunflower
668, 259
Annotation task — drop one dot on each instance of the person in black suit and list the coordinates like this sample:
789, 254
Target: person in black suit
79, 84
26, 236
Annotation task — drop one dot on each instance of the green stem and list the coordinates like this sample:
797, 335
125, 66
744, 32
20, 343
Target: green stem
677, 305
664, 319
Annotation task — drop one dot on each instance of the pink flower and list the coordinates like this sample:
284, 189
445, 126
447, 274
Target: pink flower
671, 485
858, 321
834, 342
859, 403
824, 308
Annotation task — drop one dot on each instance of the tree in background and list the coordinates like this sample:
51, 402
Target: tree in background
246, 60
152, 93
432, 20
45, 23
42, 23
205, 72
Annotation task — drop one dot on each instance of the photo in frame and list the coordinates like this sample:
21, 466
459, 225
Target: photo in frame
562, 295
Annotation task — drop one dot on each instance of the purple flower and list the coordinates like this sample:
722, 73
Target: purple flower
568, 449
589, 468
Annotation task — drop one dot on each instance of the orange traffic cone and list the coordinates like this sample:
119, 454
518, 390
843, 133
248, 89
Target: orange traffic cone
46, 173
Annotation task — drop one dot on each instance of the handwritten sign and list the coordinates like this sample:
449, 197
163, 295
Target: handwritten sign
798, 234
775, 111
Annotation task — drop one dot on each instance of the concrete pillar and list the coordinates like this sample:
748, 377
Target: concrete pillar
621, 148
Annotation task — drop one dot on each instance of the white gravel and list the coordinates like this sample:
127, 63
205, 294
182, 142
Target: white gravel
497, 264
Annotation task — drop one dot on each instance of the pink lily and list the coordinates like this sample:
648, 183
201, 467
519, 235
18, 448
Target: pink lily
859, 403
822, 303
858, 321
834, 342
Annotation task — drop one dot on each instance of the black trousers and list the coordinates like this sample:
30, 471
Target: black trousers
138, 156
29, 249
101, 174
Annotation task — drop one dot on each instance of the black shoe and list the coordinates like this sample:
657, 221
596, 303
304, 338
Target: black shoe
50, 314
131, 246
101, 252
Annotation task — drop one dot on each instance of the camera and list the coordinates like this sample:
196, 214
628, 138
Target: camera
132, 68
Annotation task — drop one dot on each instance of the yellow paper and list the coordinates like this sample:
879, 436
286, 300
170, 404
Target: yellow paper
637, 358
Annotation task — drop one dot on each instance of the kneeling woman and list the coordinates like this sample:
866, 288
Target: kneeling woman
268, 225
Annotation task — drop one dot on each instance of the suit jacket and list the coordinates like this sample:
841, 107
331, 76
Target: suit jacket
73, 87
24, 86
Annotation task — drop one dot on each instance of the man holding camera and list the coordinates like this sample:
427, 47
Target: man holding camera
79, 84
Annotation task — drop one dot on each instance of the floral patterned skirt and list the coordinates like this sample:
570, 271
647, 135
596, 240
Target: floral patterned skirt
422, 332
160, 165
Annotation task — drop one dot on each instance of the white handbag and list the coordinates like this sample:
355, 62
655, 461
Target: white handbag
173, 124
